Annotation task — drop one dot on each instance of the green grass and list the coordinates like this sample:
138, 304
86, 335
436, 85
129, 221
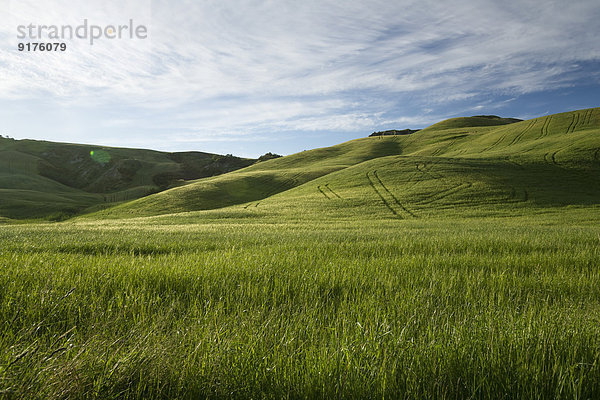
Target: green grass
58, 180
482, 170
453, 263
206, 305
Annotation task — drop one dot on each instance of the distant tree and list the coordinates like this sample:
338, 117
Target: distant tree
268, 156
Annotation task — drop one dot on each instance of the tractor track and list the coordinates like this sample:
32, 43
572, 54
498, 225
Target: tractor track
426, 170
392, 195
520, 135
546, 158
324, 189
575, 122
571, 124
550, 158
374, 180
545, 126
445, 193
323, 192
250, 205
381, 196
590, 117
497, 142
332, 191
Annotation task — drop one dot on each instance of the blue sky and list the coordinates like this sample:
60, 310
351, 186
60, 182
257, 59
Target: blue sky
250, 76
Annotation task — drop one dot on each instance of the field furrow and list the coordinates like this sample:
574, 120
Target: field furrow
380, 194
320, 189
520, 134
545, 126
395, 199
332, 191
444, 193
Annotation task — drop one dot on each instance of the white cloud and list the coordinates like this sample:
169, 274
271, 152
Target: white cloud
256, 65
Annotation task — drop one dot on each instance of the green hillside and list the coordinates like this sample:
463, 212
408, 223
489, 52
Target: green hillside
457, 262
46, 179
475, 165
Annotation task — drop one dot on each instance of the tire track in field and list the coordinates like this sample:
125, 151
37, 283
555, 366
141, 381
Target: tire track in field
571, 124
392, 195
436, 152
412, 180
445, 146
286, 184
374, 182
580, 121
324, 189
544, 129
589, 121
495, 143
574, 122
445, 193
381, 196
334, 193
520, 135
586, 118
426, 170
323, 192
550, 158
546, 158
424, 173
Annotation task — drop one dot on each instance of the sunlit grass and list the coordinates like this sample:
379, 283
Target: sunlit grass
452, 263
253, 308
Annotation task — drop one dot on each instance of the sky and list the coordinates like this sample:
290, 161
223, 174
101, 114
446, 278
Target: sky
246, 77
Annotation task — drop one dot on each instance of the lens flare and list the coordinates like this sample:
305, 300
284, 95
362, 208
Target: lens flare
100, 156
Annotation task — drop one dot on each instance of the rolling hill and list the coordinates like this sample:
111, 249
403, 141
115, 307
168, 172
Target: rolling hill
455, 262
470, 166
56, 180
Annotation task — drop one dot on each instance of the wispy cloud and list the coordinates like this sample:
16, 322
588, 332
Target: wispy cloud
214, 67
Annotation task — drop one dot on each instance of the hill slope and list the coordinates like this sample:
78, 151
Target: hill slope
38, 179
459, 164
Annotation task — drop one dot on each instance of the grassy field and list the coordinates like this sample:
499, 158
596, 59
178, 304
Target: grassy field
485, 168
447, 265
47, 180
206, 305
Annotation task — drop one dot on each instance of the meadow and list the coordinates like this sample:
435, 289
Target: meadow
461, 261
206, 306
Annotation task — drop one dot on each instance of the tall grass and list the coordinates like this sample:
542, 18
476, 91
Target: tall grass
252, 308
